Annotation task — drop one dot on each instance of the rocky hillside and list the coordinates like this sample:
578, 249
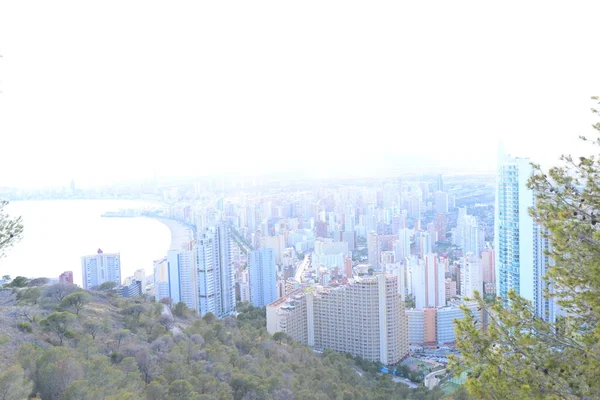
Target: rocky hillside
60, 342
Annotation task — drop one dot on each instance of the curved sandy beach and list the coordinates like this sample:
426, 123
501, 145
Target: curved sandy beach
180, 233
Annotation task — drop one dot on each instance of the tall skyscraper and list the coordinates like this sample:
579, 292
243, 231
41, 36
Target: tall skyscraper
520, 262
441, 202
215, 272
467, 234
372, 250
425, 243
429, 283
440, 183
262, 277
470, 276
277, 243
99, 268
182, 278
402, 246
488, 269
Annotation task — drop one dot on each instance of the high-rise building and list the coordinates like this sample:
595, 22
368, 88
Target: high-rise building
321, 229
215, 271
470, 276
140, 275
402, 246
467, 233
348, 272
440, 183
441, 202
99, 268
262, 277
425, 243
488, 270
372, 250
450, 289
520, 262
277, 243
441, 221
398, 269
182, 278
161, 279
429, 283
364, 318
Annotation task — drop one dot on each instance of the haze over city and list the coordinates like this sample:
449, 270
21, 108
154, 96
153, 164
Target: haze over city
119, 91
299, 200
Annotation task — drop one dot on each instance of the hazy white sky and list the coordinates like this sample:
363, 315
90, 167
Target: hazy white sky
111, 90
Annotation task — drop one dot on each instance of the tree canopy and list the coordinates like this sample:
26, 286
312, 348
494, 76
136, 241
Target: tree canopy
521, 355
11, 229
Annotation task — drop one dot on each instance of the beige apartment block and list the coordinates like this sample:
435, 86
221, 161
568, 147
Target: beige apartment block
364, 317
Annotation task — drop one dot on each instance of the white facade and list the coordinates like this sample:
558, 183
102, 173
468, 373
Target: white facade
99, 268
520, 262
445, 317
182, 278
262, 277
365, 318
402, 245
416, 326
215, 272
398, 269
467, 234
441, 202
470, 276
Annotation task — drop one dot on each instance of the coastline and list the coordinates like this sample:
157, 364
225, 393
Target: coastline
179, 232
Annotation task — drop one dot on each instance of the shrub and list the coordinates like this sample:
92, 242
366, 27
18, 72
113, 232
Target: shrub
25, 327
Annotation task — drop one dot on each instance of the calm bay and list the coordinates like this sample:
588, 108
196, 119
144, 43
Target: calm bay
58, 232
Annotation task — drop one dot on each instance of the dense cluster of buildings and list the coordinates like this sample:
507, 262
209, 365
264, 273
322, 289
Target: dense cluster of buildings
368, 270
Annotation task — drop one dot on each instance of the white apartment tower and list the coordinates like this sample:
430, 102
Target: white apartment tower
215, 272
99, 268
262, 277
520, 261
429, 282
470, 276
182, 277
467, 233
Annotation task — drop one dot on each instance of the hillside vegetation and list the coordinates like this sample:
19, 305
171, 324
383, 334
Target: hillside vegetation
60, 342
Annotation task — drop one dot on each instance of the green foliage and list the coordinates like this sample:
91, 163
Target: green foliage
11, 229
75, 301
58, 323
521, 356
13, 384
29, 295
19, 282
25, 327
59, 291
209, 317
38, 282
210, 358
180, 309
107, 286
409, 302
282, 337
